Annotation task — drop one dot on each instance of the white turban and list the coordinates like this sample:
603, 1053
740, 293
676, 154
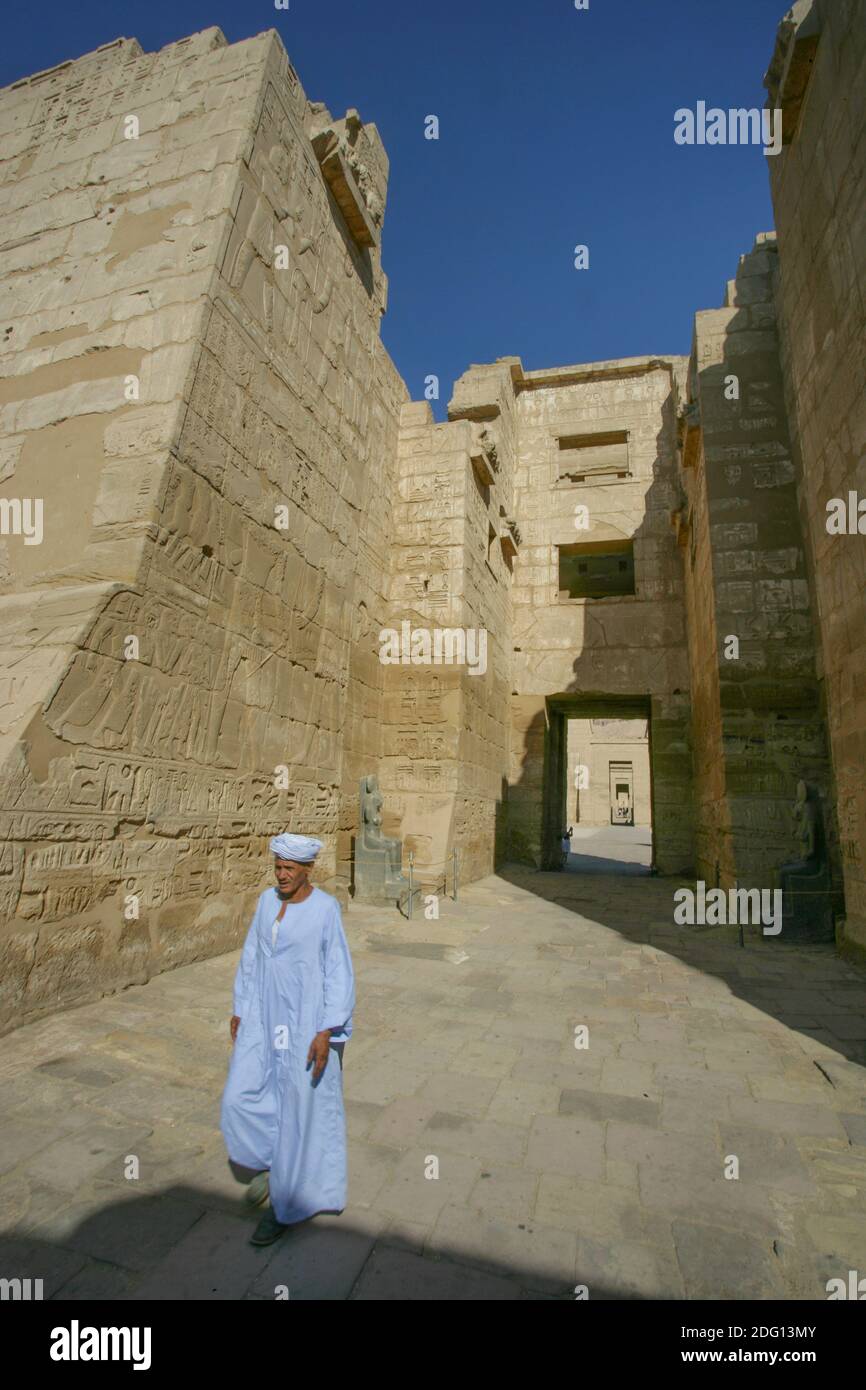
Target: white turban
302, 849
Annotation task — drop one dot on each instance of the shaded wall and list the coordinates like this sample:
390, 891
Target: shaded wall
818, 78
758, 724
445, 732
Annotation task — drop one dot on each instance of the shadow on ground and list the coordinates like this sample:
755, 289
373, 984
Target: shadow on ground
180, 1245
782, 980
598, 864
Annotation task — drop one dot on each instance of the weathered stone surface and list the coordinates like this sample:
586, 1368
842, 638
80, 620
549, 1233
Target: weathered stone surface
816, 184
170, 379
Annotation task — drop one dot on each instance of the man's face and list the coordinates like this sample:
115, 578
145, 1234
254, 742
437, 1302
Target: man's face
290, 875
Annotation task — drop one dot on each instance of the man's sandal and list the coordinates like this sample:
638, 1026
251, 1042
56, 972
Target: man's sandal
268, 1230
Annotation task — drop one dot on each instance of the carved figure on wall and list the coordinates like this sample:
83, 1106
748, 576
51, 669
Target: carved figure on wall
807, 912
364, 179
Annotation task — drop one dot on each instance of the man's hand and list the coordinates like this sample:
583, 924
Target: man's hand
318, 1053
233, 1027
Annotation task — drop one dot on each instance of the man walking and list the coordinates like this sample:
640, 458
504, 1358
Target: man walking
282, 1108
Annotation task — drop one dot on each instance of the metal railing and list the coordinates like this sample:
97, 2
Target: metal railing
438, 887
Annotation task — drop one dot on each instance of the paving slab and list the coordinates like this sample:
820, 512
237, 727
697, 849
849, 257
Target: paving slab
137, 1232
24, 1139
212, 1261
487, 1140
97, 1281
566, 1144
509, 1191
605, 1105
22, 1258
413, 1195
316, 1262
627, 1269
538, 1256
717, 1263
767, 1159
403, 1275
71, 1161
517, 1102
457, 1091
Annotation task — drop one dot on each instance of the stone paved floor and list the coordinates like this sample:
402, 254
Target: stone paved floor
557, 1166
612, 849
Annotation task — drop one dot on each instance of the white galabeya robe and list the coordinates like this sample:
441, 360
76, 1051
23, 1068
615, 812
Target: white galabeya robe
294, 979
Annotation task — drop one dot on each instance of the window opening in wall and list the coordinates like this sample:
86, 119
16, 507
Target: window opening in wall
599, 569
583, 456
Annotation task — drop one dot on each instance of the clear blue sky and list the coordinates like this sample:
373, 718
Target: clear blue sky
556, 128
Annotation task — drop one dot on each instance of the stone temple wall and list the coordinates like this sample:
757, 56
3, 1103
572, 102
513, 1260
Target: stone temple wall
210, 420
818, 78
757, 720
694, 537
446, 731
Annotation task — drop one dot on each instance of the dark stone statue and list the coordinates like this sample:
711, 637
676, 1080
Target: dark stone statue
378, 858
807, 911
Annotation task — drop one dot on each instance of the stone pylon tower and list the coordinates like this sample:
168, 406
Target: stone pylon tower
197, 408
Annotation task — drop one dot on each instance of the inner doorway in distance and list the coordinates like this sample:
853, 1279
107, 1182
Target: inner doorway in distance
607, 796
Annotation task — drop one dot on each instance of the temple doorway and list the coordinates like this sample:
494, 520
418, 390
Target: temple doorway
607, 796
598, 785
